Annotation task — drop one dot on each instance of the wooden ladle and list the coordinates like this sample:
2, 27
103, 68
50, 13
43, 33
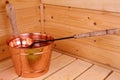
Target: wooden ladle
12, 16
84, 35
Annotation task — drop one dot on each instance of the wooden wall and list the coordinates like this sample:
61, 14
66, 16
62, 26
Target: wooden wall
61, 21
69, 18
28, 20
105, 5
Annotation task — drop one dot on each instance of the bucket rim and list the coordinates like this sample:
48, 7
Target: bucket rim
28, 35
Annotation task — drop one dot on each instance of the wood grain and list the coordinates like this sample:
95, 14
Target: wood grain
56, 64
66, 21
19, 4
5, 64
55, 55
4, 52
63, 67
114, 76
94, 73
90, 52
70, 71
8, 74
28, 20
107, 5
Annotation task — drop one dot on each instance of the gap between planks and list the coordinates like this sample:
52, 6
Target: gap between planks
56, 64
114, 76
88, 60
6, 68
67, 68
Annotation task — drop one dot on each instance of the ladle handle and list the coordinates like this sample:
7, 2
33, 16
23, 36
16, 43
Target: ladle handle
96, 33
83, 35
12, 16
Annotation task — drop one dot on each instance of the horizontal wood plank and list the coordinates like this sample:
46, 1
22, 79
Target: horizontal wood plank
104, 42
25, 17
19, 4
90, 52
79, 23
65, 21
107, 5
94, 73
28, 21
86, 19
4, 52
70, 71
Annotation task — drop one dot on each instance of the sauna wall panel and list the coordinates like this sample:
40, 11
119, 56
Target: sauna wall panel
19, 4
65, 21
106, 5
28, 20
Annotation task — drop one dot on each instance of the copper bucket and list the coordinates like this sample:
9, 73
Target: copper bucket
30, 62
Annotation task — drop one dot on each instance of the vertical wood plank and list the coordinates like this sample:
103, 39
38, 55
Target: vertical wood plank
94, 73
114, 76
70, 71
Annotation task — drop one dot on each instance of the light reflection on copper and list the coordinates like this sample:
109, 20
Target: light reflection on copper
25, 40
30, 62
